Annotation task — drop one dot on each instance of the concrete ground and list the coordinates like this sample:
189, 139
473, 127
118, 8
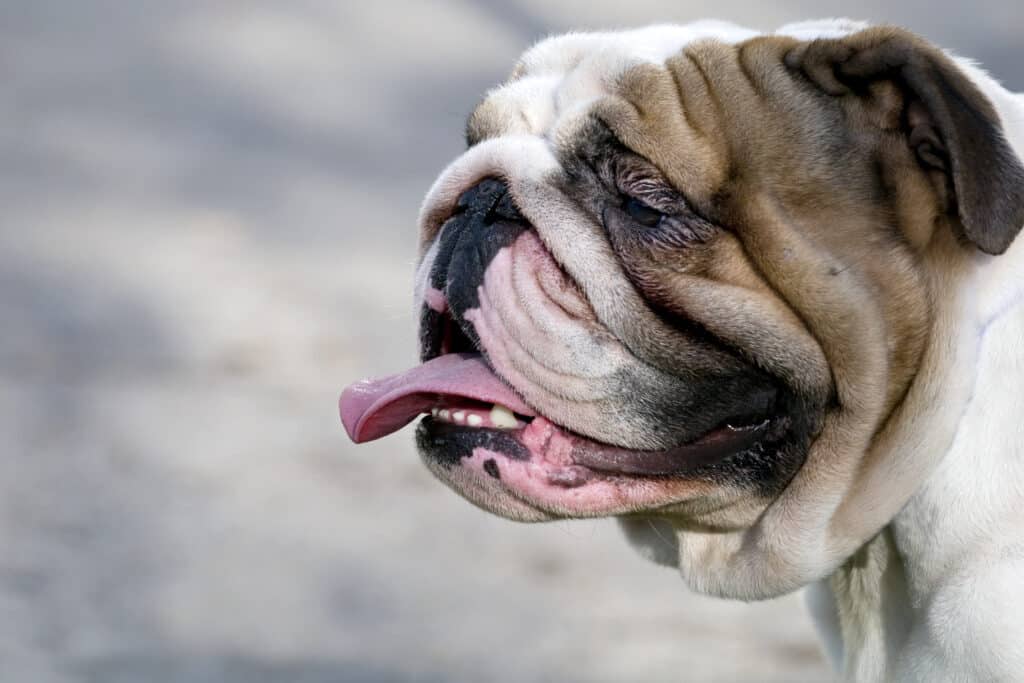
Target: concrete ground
207, 230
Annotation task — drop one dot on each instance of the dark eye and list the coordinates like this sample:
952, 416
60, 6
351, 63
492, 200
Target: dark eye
641, 213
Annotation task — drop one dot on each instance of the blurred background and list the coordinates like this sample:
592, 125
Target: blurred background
207, 216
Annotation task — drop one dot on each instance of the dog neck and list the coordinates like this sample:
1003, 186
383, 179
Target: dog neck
935, 595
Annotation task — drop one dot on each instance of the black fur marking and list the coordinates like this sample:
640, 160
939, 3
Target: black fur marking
431, 333
491, 468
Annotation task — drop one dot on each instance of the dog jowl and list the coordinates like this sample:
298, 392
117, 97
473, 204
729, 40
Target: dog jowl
698, 275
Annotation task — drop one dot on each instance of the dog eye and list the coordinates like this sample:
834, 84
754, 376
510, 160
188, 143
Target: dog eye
642, 213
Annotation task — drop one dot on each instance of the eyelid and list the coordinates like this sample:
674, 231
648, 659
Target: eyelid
669, 204
651, 191
635, 177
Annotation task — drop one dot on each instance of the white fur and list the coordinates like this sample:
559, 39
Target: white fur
957, 613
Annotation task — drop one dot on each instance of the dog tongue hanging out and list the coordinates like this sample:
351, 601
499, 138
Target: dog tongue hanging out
742, 291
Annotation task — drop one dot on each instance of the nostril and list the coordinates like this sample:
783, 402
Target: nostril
482, 196
491, 200
486, 192
505, 210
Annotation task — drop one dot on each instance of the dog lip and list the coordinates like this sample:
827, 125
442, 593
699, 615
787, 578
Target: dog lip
677, 460
561, 452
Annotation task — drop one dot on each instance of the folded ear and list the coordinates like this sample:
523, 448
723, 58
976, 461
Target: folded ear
949, 123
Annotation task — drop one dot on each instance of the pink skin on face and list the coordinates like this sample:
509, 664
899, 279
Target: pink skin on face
548, 481
435, 300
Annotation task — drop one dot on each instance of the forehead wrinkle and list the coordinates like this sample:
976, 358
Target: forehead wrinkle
566, 73
682, 68
646, 117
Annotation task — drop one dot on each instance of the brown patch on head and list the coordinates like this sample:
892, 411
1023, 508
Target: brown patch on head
829, 164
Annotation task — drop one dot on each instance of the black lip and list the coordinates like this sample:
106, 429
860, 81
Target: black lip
679, 461
447, 444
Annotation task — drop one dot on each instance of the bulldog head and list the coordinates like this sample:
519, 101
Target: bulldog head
690, 277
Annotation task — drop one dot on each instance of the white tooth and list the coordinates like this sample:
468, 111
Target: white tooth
459, 416
444, 414
434, 411
502, 417
474, 420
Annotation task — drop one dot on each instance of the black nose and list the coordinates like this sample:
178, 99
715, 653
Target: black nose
485, 221
492, 201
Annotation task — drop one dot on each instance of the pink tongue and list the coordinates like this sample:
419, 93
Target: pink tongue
377, 407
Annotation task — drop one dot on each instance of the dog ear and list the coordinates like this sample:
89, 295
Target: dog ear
950, 125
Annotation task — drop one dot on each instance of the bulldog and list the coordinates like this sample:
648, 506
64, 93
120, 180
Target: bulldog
758, 297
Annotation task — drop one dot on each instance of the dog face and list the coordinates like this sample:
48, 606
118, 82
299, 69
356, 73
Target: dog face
686, 276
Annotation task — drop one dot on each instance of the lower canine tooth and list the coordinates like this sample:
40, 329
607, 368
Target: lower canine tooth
502, 417
474, 420
458, 416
